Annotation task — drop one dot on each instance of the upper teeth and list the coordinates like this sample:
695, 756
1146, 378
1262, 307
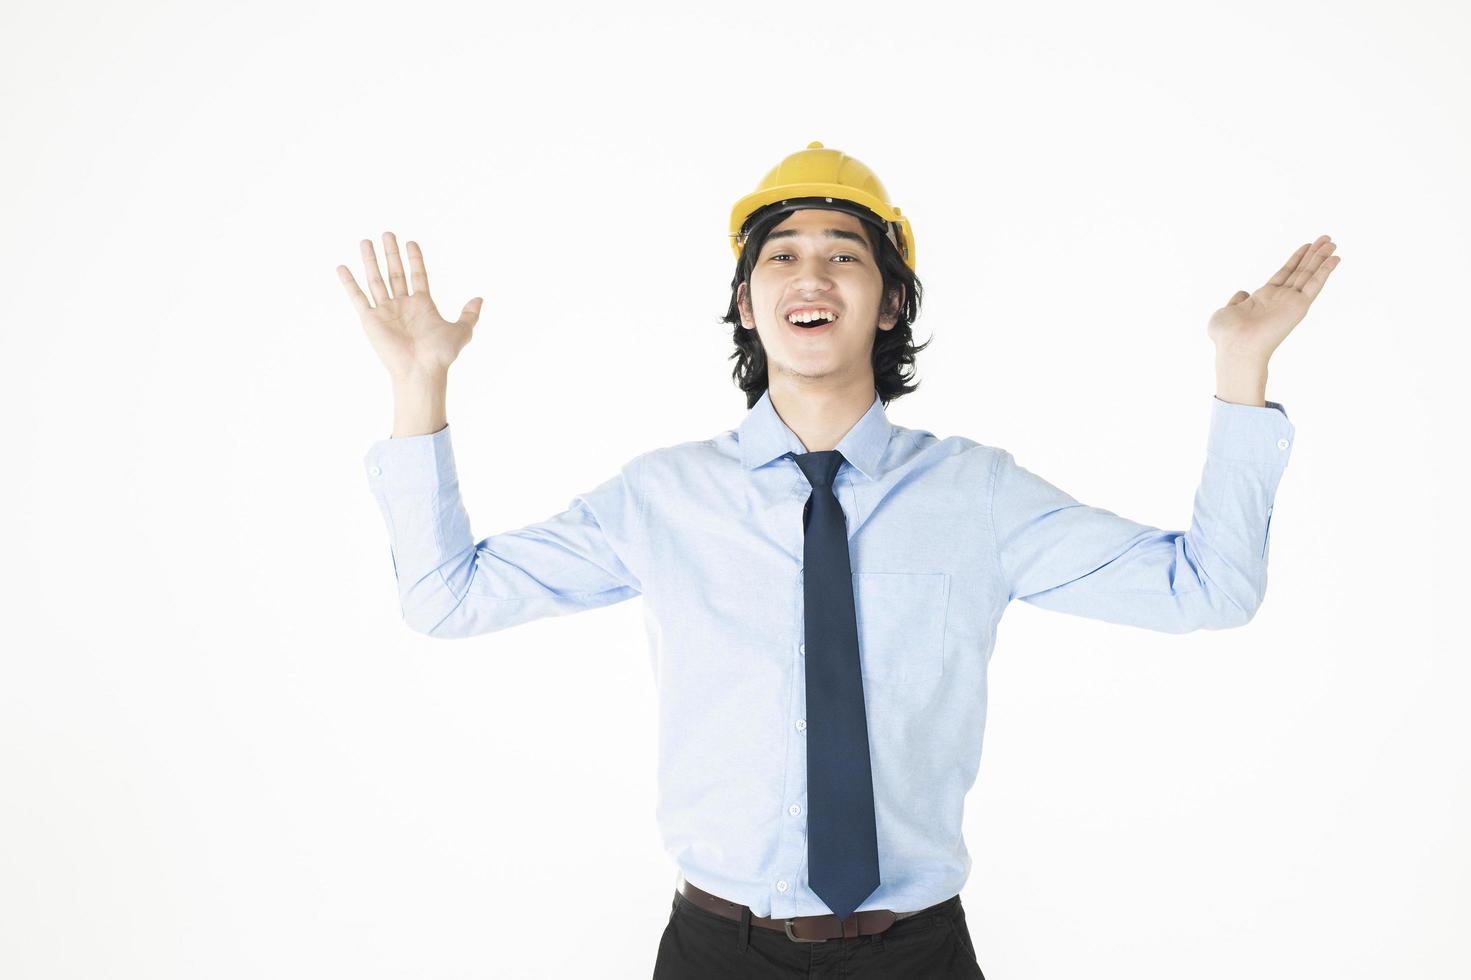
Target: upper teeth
808, 317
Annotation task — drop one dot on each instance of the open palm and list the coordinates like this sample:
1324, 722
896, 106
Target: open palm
1253, 324
405, 328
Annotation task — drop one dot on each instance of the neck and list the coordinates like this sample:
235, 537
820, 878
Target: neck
821, 414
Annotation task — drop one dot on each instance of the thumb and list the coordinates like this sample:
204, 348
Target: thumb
1237, 297
471, 313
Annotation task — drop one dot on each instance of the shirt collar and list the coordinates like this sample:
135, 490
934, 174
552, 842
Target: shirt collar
764, 437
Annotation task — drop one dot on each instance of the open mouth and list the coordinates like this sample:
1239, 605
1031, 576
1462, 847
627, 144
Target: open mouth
814, 326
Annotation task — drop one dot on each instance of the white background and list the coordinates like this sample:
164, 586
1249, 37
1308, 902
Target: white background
222, 755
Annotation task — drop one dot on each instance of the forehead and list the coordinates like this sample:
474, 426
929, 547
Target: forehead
821, 223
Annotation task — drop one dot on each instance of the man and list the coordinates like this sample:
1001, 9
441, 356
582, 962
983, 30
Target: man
823, 586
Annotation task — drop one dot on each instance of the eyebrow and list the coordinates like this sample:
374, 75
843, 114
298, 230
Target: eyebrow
829, 232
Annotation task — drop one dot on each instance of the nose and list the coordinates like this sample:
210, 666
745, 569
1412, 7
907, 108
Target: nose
811, 273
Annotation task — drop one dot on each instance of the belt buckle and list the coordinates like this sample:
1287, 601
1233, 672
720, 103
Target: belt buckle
798, 939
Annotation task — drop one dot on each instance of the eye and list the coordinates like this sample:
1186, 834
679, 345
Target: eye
843, 256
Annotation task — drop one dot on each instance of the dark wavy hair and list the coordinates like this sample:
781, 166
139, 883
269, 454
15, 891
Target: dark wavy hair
892, 349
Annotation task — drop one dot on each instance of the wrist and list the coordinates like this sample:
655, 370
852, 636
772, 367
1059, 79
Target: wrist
418, 404
1241, 379
420, 377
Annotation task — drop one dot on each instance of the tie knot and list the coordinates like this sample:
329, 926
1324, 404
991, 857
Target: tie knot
820, 467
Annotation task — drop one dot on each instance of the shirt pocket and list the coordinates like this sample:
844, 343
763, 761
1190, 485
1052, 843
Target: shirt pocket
901, 624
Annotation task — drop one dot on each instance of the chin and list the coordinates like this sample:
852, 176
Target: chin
810, 370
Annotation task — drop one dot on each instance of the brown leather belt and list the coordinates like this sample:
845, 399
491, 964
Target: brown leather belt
803, 928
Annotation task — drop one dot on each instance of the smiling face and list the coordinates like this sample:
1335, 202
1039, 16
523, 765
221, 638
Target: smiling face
816, 259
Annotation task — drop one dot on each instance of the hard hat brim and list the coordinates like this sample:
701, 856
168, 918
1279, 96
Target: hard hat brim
773, 201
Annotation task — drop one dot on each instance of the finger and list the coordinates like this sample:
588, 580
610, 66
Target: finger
375, 278
359, 301
1313, 286
419, 278
1280, 279
1237, 297
395, 266
470, 314
1305, 267
1322, 248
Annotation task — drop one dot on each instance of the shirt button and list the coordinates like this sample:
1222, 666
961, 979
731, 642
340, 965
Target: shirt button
802, 649
375, 471
794, 809
801, 724
1281, 443
781, 886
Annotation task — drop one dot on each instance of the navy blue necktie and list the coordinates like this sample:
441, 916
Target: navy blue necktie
842, 835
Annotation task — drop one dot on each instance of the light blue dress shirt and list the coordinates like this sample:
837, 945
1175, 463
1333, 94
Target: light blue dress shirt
943, 534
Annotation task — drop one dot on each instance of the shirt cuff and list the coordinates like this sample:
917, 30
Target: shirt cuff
412, 463
1250, 433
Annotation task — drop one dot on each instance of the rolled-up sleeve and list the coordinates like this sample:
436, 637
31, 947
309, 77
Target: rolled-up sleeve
451, 585
1059, 554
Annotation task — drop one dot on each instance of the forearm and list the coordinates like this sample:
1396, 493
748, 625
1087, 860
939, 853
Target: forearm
1241, 380
418, 404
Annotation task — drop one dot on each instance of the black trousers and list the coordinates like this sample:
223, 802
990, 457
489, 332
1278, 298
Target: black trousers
700, 945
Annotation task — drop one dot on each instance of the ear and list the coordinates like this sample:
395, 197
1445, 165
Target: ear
890, 316
743, 302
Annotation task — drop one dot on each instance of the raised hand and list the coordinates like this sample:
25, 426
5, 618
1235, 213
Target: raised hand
1251, 325
405, 328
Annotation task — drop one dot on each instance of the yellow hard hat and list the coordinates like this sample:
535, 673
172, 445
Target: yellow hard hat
818, 177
